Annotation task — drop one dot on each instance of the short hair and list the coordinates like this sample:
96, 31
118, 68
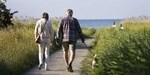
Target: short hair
70, 11
45, 15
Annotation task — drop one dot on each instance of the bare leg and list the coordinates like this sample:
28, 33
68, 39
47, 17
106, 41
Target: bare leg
66, 57
65, 52
72, 54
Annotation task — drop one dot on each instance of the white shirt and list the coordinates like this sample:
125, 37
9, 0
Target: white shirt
47, 31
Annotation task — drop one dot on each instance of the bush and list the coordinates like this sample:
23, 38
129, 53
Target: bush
88, 32
5, 15
122, 52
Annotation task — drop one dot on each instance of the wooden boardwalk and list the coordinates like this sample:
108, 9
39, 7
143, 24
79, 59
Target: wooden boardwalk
57, 63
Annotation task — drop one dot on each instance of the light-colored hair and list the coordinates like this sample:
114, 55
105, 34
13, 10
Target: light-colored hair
69, 12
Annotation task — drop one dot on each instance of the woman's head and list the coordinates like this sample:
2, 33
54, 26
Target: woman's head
45, 15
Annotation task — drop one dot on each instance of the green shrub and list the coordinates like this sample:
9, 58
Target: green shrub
88, 32
122, 52
5, 15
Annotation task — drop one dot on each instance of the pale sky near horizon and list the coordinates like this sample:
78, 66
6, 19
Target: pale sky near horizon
83, 9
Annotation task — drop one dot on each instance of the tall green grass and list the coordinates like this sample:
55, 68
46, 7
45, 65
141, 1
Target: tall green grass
88, 32
18, 51
120, 52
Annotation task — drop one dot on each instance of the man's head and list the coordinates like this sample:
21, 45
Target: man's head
69, 12
45, 15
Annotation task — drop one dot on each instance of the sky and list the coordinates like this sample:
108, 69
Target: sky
83, 9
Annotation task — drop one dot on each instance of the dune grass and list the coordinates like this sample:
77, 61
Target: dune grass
18, 51
120, 52
88, 32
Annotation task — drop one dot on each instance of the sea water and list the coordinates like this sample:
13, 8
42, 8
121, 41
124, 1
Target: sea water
98, 23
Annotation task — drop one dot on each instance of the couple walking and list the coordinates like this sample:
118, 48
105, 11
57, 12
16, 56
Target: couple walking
67, 31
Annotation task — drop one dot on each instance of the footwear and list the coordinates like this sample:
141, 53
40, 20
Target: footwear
67, 69
40, 66
70, 69
46, 69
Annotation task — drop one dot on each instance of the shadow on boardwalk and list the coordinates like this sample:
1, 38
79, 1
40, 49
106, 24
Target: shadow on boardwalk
57, 64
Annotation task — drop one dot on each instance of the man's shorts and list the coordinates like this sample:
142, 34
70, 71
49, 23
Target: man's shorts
68, 46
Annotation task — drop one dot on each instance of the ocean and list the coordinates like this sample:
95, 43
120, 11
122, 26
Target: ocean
98, 23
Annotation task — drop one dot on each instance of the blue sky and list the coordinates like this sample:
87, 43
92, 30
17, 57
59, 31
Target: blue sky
83, 9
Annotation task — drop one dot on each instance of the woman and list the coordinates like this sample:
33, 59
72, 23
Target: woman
44, 29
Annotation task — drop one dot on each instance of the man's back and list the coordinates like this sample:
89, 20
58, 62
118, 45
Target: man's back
68, 28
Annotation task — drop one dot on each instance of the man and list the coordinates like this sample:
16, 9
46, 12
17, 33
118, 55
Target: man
44, 29
67, 31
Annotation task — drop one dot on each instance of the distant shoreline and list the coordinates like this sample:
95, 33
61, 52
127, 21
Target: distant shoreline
100, 19
98, 23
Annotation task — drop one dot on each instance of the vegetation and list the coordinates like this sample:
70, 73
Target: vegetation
121, 52
5, 15
18, 51
88, 32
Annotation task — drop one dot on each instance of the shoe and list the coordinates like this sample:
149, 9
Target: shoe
70, 69
46, 69
67, 69
40, 66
